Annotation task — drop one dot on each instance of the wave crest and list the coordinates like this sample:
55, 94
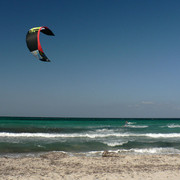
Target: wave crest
88, 135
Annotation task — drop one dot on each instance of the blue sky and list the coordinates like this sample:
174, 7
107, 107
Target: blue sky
109, 58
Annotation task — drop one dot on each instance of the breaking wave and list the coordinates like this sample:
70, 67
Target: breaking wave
88, 135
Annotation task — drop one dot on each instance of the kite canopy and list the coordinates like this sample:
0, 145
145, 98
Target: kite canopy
33, 42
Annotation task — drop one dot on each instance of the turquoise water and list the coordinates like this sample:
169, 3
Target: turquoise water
89, 136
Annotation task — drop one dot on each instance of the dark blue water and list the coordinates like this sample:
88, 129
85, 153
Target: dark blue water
89, 135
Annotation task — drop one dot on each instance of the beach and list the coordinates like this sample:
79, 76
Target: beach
89, 149
110, 166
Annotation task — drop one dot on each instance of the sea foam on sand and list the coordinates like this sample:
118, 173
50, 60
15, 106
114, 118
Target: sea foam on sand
111, 166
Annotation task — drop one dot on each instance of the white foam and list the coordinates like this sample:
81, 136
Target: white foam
113, 144
135, 126
156, 151
131, 151
173, 126
160, 135
129, 123
87, 135
74, 135
104, 130
47, 135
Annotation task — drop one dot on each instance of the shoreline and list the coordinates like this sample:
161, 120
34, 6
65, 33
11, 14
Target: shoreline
111, 166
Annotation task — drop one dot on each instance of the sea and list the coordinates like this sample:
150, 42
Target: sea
88, 136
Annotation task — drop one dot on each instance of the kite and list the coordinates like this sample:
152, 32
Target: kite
33, 42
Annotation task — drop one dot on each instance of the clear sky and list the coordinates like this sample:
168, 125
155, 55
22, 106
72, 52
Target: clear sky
109, 58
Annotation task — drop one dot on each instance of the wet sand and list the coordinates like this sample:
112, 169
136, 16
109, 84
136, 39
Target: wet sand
60, 166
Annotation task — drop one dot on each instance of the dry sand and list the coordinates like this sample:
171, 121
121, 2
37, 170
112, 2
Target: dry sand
57, 166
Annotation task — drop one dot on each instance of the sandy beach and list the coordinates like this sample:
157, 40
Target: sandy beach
57, 165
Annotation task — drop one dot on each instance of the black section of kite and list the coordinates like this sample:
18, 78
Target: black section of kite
33, 42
